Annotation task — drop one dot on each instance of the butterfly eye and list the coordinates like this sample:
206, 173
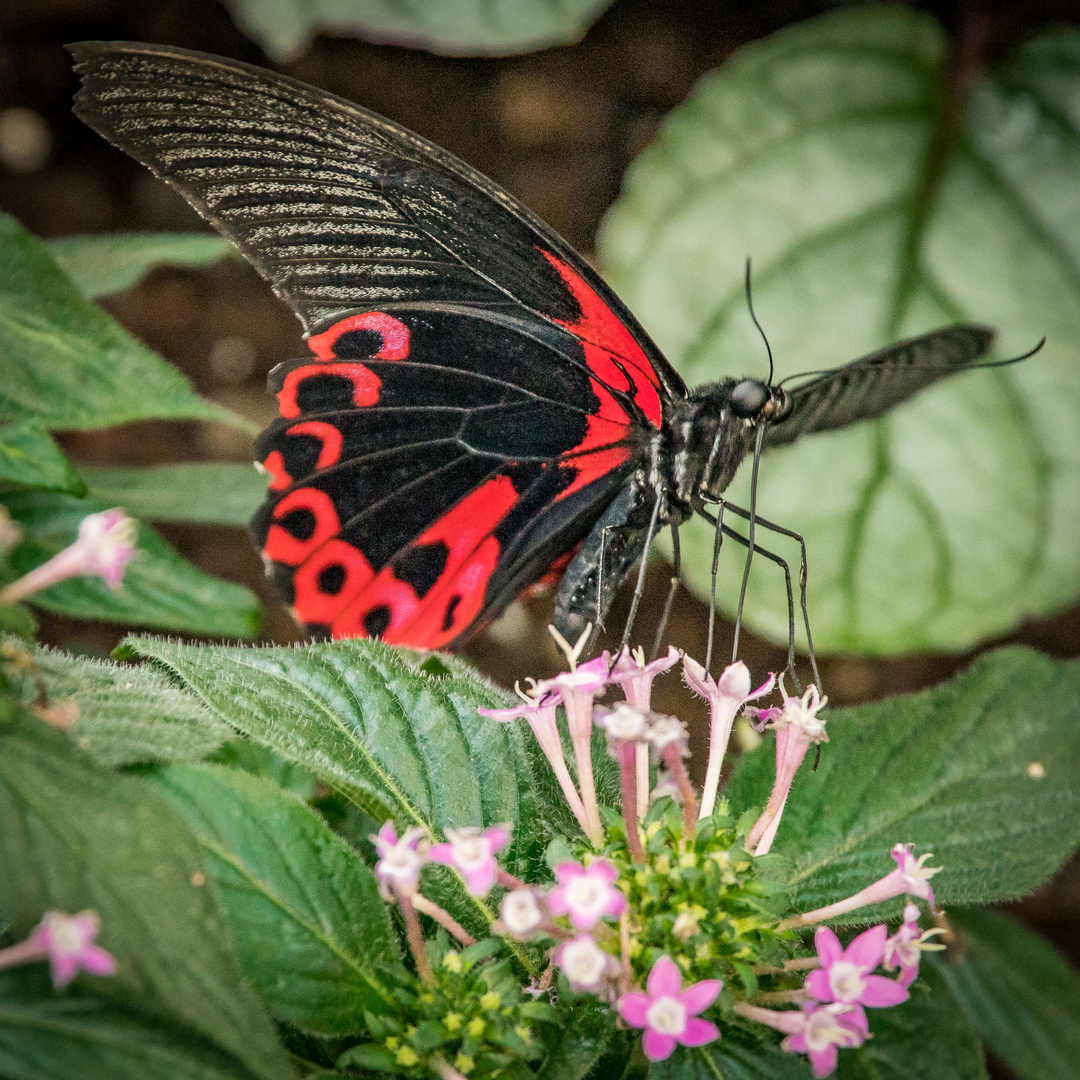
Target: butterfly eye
748, 397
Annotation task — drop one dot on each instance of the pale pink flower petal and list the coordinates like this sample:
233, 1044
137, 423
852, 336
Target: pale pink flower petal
698, 997
665, 979
657, 1047
586, 896
699, 1032
633, 1009
472, 853
881, 993
867, 949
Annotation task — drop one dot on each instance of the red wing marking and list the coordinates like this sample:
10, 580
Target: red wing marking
275, 466
456, 598
327, 434
327, 580
394, 333
365, 384
316, 522
606, 340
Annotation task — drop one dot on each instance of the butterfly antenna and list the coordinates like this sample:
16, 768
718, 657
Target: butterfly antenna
749, 539
750, 305
1013, 360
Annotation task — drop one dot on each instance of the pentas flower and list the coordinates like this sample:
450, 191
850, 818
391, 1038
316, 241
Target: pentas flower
68, 943
400, 860
635, 677
539, 711
726, 696
797, 728
520, 913
585, 964
586, 895
911, 876
104, 546
845, 974
472, 853
905, 948
668, 1013
819, 1031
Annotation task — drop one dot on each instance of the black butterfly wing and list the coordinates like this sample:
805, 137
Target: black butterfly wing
477, 395
874, 384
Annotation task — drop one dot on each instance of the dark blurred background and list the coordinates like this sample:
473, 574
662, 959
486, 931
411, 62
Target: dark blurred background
558, 128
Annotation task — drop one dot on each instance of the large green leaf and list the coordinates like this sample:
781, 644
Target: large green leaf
980, 770
362, 716
1021, 994
104, 264
44, 1036
737, 1058
68, 363
820, 153
926, 1036
160, 588
127, 713
467, 27
215, 492
311, 931
30, 458
74, 835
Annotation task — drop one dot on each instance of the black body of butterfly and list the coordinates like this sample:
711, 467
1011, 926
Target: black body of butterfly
480, 409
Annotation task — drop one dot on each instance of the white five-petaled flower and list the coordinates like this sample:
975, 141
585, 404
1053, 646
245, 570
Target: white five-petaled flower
520, 913
625, 722
400, 860
584, 963
586, 895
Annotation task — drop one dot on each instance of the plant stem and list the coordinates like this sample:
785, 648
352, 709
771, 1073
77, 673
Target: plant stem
443, 918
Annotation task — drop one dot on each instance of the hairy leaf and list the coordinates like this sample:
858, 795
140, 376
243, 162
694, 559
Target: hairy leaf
74, 835
311, 931
160, 588
215, 492
30, 458
1018, 991
980, 770
101, 265
821, 152
458, 27
126, 713
68, 363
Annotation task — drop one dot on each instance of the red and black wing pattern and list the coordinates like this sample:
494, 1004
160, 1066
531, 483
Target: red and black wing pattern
476, 395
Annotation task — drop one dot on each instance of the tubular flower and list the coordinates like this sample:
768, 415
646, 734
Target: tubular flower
586, 896
905, 948
68, 943
472, 853
104, 546
819, 1031
400, 860
668, 1013
726, 696
797, 727
845, 974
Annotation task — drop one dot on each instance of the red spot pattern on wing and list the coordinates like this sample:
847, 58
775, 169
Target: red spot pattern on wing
456, 599
327, 434
607, 341
275, 466
395, 336
318, 600
283, 545
365, 384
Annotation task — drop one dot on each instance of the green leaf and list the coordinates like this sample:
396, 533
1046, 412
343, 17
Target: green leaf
456, 27
127, 713
74, 835
1018, 991
68, 363
218, 493
18, 620
44, 1036
926, 1036
101, 265
814, 152
585, 1028
311, 930
980, 770
30, 458
736, 1058
160, 588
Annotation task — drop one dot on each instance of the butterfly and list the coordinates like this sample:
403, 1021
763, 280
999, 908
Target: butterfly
479, 410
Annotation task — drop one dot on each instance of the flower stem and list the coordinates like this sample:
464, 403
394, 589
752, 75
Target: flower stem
628, 781
641, 768
673, 760
445, 1070
781, 997
415, 937
25, 952
443, 918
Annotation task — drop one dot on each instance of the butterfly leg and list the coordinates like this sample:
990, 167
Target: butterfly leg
639, 588
780, 530
673, 588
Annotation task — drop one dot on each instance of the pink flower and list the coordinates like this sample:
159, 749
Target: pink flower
818, 1031
585, 964
725, 696
586, 895
400, 860
520, 913
913, 874
68, 943
472, 853
104, 547
636, 677
797, 727
539, 711
905, 948
669, 1014
845, 974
